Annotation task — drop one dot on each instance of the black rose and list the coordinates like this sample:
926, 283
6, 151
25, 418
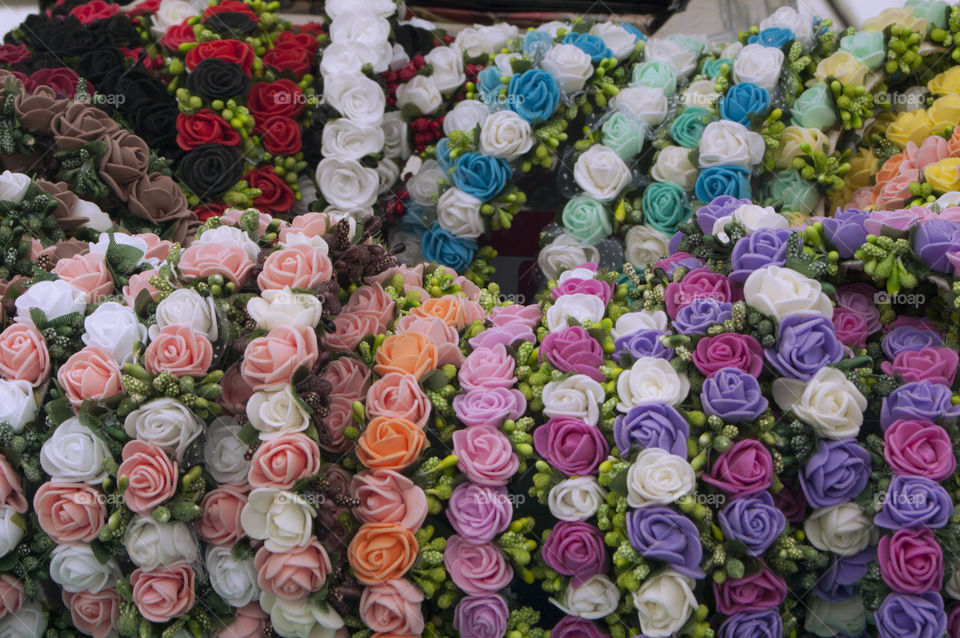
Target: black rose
235, 25
35, 29
210, 170
118, 31
311, 143
70, 37
413, 40
142, 90
157, 125
39, 60
96, 66
218, 80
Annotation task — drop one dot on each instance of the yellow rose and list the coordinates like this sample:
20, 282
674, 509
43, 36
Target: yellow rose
879, 125
795, 218
842, 66
903, 17
910, 126
944, 113
863, 166
790, 141
943, 176
946, 83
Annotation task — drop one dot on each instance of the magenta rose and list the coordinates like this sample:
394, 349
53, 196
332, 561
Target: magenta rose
476, 569
859, 299
699, 283
526, 315
729, 350
850, 327
576, 627
487, 368
791, 502
919, 448
936, 364
746, 468
575, 549
570, 445
479, 512
911, 561
485, 455
763, 590
490, 406
583, 286
574, 350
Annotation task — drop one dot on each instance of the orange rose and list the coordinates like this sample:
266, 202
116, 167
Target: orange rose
89, 374
297, 266
284, 460
408, 353
229, 260
271, 361
180, 351
390, 443
88, 274
449, 308
24, 355
445, 337
382, 551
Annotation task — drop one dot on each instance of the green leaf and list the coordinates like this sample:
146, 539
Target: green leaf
39, 318
142, 301
100, 551
434, 381
619, 483
59, 411
248, 434
123, 259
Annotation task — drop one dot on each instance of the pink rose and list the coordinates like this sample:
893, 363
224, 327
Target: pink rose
348, 377
388, 497
232, 217
850, 327
526, 315
932, 150
861, 198
11, 595
488, 368
156, 248
309, 224
489, 406
94, 614
911, 561
479, 512
229, 260
340, 417
762, 590
729, 350
476, 569
284, 460
297, 266
393, 608
152, 476
485, 455
895, 192
138, 283
271, 361
573, 350
699, 283
593, 287
88, 274
503, 335
893, 219
11, 488
920, 323
576, 549
412, 279
235, 391
444, 337
935, 364
919, 448
399, 395
220, 523
374, 301
91, 373
69, 512
249, 622
164, 593
746, 468
349, 331
294, 574
180, 351
24, 355
859, 299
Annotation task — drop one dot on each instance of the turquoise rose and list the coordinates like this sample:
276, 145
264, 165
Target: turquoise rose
688, 42
623, 134
664, 206
712, 68
655, 75
587, 219
814, 109
866, 46
687, 128
796, 193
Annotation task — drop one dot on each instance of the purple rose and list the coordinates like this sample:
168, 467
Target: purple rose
913, 615
914, 501
700, 314
721, 206
836, 473
481, 616
845, 231
752, 624
575, 627
584, 286
839, 583
570, 445
660, 533
733, 395
674, 245
575, 549
506, 335
652, 425
479, 512
918, 400
909, 338
754, 521
574, 350
932, 241
641, 343
805, 344
489, 406
764, 247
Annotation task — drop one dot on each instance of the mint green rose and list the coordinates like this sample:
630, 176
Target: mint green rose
935, 11
712, 67
624, 134
655, 74
814, 109
689, 42
687, 128
796, 193
586, 219
866, 46
664, 206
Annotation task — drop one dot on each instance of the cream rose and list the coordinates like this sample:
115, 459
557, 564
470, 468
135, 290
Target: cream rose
829, 402
730, 143
701, 93
298, 617
576, 499
564, 252
673, 165
285, 308
577, 396
234, 580
645, 245
664, 603
505, 134
752, 218
95, 218
75, 568
843, 529
186, 307
166, 423
597, 597
679, 57
658, 477
620, 41
465, 116
792, 138
55, 298
347, 183
345, 139
843, 66
74, 453
151, 544
276, 412
758, 64
601, 173
282, 520
569, 65
650, 380
581, 307
459, 213
425, 185
639, 320
224, 452
646, 103
780, 292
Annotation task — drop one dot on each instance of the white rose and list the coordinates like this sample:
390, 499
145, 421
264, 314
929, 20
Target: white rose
682, 59
223, 452
115, 328
298, 617
646, 245
595, 598
29, 622
272, 413
166, 423
651, 380
503, 61
577, 396
576, 499
347, 183
581, 272
345, 139
285, 308
357, 97
169, 13
152, 544
505, 134
12, 529
828, 619
565, 252
601, 173
732, 50
187, 307
18, 406
447, 65
466, 115
664, 603
368, 34
640, 320
730, 143
234, 580
701, 93
459, 213
658, 477
282, 520
569, 65
477, 40
74, 453
780, 292
753, 218
388, 172
554, 26
952, 586
317, 242
425, 184
758, 64
380, 8
420, 92
673, 165
75, 568
96, 219
829, 402
843, 529
646, 103
800, 23
55, 298
340, 58
620, 41
230, 235
579, 306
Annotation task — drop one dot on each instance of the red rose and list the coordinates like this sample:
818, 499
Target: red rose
150, 6
210, 209
61, 79
204, 127
149, 62
13, 53
312, 27
177, 35
275, 196
234, 51
95, 10
232, 6
282, 97
280, 135
289, 58
306, 41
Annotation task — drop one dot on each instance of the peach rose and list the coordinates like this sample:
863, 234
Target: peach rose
374, 301
24, 355
156, 248
91, 373
454, 310
389, 443
388, 497
393, 607
229, 260
399, 395
309, 224
382, 551
235, 391
138, 283
444, 337
408, 353
88, 274
297, 266
11, 489
220, 523
349, 331
271, 361
340, 417
249, 622
293, 574
412, 278
348, 377
151, 474
69, 512
180, 351
164, 593
94, 614
11, 595
284, 460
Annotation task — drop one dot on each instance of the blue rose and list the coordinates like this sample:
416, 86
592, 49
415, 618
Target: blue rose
536, 43
592, 45
712, 68
533, 95
744, 100
723, 180
489, 85
442, 152
775, 37
481, 175
447, 249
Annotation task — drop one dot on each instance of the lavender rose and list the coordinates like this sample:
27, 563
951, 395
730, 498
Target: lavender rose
914, 501
506, 335
479, 512
752, 624
839, 583
575, 549
754, 521
920, 400
660, 533
489, 406
913, 615
933, 240
805, 344
481, 616
909, 338
718, 207
764, 247
836, 473
573, 350
733, 395
652, 425
700, 314
845, 231
639, 344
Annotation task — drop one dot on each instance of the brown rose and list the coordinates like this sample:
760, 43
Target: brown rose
66, 200
79, 124
127, 159
36, 110
157, 199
